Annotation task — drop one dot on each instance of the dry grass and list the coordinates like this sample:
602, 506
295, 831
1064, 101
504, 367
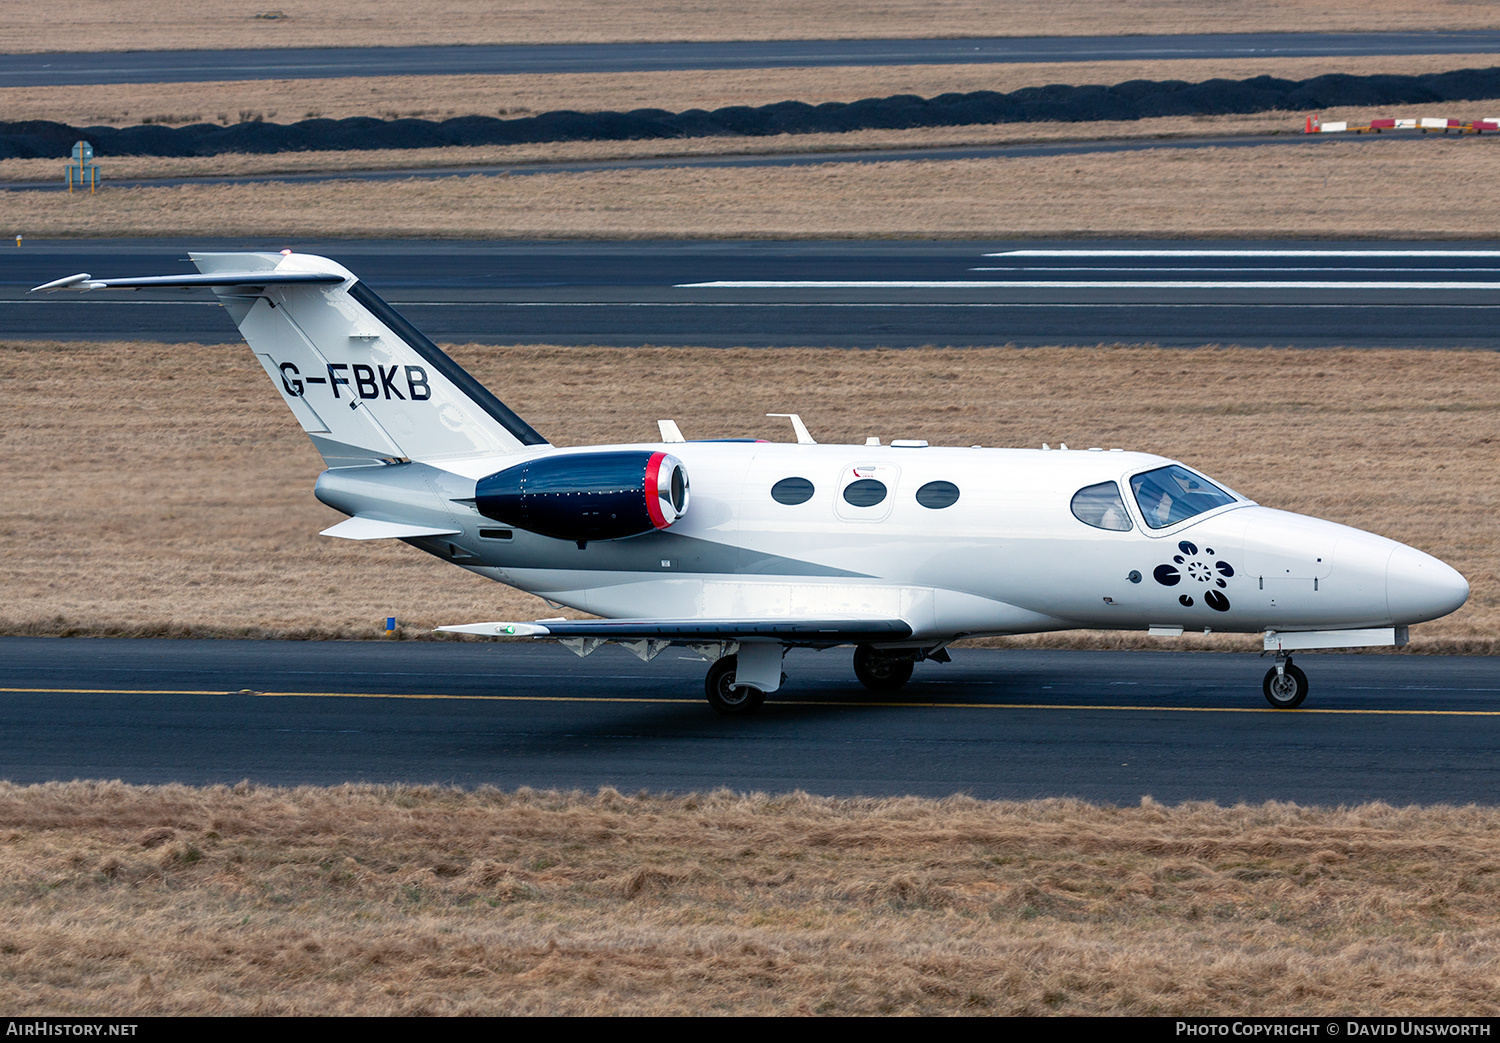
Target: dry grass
91, 25
439, 97
1428, 188
162, 489
129, 901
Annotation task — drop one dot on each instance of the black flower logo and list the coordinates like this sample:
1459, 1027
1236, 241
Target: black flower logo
1205, 570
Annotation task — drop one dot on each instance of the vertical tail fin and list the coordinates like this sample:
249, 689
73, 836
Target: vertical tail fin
364, 383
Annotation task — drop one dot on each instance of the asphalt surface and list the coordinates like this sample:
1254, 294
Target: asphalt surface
851, 294
1101, 726
168, 66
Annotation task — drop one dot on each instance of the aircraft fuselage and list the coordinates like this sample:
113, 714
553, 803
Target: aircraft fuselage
1008, 555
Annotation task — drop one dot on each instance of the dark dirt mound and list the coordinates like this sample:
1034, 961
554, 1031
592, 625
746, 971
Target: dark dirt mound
1137, 99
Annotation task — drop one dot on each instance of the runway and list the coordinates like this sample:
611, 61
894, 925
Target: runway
1101, 726
169, 66
722, 293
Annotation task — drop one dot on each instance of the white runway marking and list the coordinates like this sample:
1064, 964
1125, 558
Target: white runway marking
809, 305
1206, 268
1076, 284
1078, 252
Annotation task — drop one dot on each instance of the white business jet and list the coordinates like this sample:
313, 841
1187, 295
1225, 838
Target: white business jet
895, 549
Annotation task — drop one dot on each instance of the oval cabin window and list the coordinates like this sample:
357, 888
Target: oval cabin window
866, 492
937, 495
792, 491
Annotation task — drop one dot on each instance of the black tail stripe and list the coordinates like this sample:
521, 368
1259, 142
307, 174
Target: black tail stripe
434, 357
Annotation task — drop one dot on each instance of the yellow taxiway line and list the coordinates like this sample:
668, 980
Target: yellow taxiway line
799, 702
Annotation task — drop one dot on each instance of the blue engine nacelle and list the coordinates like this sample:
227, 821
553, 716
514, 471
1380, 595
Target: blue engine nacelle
588, 496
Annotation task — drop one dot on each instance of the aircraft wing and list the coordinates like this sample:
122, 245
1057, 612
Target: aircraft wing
823, 632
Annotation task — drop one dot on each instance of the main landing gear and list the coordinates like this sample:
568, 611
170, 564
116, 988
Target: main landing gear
724, 695
882, 671
1285, 685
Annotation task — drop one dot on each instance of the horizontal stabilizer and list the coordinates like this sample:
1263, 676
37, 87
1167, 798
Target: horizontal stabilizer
373, 529
787, 631
261, 278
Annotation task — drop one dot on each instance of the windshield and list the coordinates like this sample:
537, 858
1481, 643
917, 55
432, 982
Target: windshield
1172, 494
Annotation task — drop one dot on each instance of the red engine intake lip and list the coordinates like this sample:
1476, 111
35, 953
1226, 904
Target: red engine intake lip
653, 497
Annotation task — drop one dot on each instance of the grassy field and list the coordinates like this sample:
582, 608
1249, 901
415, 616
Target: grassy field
89, 25
130, 901
439, 97
164, 489
1426, 188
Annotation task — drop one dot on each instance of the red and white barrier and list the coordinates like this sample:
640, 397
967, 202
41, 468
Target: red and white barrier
1315, 125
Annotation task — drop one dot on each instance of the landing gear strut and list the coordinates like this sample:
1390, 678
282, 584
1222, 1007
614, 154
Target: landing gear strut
1285, 685
724, 695
882, 671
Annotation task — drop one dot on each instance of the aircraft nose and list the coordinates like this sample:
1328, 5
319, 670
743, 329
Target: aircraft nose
1419, 587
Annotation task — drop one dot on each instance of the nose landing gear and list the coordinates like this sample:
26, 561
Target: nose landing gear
1285, 685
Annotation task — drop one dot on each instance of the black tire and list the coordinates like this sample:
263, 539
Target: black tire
722, 694
882, 673
1285, 692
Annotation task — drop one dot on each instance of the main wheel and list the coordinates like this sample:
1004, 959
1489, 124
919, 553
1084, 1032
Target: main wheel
1286, 691
724, 696
881, 673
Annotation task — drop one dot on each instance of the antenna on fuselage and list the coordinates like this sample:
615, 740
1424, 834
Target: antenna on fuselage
803, 436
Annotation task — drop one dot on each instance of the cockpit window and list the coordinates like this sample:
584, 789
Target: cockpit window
1101, 506
1172, 494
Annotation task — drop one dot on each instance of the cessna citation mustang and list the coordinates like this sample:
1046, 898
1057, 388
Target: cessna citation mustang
895, 549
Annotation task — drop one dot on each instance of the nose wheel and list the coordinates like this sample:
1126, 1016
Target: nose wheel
1285, 685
